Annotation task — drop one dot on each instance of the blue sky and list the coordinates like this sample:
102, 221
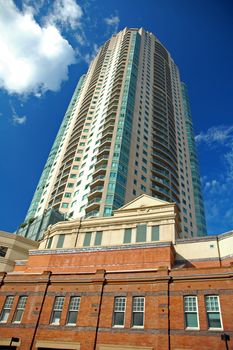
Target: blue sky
47, 44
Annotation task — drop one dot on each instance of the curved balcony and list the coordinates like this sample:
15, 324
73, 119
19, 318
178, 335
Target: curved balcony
95, 192
93, 204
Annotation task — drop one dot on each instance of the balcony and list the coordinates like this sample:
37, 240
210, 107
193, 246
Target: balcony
93, 204
95, 192
97, 180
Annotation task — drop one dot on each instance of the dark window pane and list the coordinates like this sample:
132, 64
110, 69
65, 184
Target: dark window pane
191, 320
127, 235
214, 320
141, 233
87, 239
72, 317
155, 233
98, 238
60, 241
138, 319
118, 319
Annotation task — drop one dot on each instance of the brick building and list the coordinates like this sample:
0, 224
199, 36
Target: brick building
124, 282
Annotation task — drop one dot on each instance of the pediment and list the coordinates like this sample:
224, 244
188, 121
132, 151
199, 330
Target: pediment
142, 201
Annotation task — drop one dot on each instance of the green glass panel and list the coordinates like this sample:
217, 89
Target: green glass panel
141, 233
87, 239
214, 320
60, 241
127, 235
191, 320
155, 233
98, 238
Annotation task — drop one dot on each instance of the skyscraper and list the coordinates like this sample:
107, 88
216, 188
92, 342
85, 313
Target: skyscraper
127, 131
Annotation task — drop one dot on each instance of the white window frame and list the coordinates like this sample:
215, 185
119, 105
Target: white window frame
186, 312
118, 309
73, 309
137, 311
7, 308
57, 307
20, 308
219, 311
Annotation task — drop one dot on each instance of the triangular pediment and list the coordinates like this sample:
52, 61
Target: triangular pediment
141, 202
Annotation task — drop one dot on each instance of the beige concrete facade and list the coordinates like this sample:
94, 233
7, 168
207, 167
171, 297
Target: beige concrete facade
131, 93
12, 248
142, 210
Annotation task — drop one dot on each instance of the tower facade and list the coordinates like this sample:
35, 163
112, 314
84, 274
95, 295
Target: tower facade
127, 131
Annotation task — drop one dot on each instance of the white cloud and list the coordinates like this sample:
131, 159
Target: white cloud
215, 134
90, 56
113, 22
16, 119
33, 58
65, 13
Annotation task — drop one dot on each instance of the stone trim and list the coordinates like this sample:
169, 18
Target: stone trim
99, 249
57, 345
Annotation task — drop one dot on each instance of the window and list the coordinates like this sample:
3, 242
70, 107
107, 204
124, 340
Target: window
20, 309
57, 309
67, 194
190, 312
50, 241
155, 233
138, 311
60, 241
141, 233
3, 251
127, 235
119, 311
87, 239
73, 310
6, 308
98, 238
213, 311
65, 205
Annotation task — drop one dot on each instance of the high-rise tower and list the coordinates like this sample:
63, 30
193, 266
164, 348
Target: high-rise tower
127, 131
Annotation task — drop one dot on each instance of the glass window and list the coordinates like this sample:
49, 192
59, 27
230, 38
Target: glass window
50, 241
65, 205
155, 233
119, 311
87, 239
127, 235
57, 310
213, 311
138, 311
6, 308
67, 194
20, 309
3, 251
190, 312
73, 310
60, 241
98, 238
141, 233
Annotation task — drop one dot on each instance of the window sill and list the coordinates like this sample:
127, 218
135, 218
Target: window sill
192, 328
139, 327
71, 324
215, 329
118, 326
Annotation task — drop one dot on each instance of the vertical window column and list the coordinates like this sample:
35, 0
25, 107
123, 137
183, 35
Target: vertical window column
191, 312
57, 310
20, 309
119, 311
6, 309
73, 310
213, 311
138, 311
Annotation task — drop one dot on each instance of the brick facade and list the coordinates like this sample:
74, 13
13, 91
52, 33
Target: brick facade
157, 272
